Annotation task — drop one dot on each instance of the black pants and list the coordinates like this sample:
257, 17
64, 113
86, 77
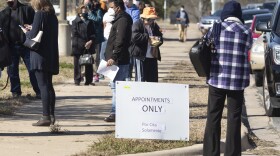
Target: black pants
147, 70
47, 92
78, 74
212, 135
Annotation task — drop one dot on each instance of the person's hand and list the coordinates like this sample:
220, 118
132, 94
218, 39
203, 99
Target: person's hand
110, 62
27, 26
88, 44
24, 30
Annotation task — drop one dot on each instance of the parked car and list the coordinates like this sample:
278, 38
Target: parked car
271, 76
269, 5
254, 6
256, 58
256, 54
248, 15
207, 22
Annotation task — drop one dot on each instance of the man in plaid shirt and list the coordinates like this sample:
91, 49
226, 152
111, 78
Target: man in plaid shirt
229, 76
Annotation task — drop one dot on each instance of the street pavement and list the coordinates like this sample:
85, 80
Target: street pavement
80, 111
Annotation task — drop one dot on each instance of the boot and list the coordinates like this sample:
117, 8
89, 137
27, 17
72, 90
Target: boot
44, 121
52, 119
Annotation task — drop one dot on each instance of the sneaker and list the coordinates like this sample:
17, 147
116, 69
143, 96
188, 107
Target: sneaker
43, 121
110, 118
16, 95
96, 79
101, 77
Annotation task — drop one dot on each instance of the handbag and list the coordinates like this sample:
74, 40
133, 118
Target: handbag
34, 43
155, 41
200, 55
86, 59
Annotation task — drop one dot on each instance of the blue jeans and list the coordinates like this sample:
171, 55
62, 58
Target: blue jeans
13, 69
122, 74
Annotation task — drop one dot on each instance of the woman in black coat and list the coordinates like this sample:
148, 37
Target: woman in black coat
45, 61
83, 36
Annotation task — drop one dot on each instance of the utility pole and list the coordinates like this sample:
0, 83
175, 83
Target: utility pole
164, 7
213, 6
64, 35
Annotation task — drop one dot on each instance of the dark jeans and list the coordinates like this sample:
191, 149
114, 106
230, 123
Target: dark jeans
77, 71
47, 92
13, 69
212, 135
131, 65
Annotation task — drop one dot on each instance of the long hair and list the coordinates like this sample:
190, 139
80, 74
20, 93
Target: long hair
42, 5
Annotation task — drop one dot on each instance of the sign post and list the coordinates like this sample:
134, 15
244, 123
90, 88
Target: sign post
152, 110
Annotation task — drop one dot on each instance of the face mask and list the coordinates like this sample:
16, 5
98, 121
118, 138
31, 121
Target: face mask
182, 9
85, 15
111, 12
10, 4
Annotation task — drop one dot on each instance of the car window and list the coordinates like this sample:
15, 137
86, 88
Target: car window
249, 16
269, 6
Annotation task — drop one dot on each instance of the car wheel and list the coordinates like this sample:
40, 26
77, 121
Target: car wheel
269, 110
259, 79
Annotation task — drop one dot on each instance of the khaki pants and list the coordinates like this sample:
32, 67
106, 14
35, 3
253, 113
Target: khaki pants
182, 30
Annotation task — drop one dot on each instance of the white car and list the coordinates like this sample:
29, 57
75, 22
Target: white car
257, 60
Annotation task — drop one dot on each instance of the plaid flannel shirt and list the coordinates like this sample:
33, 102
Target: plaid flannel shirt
230, 66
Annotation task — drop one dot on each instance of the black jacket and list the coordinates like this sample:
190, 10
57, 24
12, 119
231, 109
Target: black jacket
82, 32
6, 58
26, 14
119, 39
46, 58
140, 38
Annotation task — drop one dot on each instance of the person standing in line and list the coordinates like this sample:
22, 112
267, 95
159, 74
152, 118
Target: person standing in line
45, 61
116, 52
183, 22
145, 55
134, 13
96, 15
229, 76
11, 17
108, 18
103, 6
83, 36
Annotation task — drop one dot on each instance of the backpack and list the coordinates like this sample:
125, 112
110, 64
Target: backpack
6, 58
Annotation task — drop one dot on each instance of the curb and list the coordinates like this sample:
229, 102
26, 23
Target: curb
197, 149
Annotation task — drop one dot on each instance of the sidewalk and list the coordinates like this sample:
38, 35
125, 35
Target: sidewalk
80, 111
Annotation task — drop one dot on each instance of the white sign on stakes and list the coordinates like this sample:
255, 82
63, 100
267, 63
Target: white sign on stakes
152, 110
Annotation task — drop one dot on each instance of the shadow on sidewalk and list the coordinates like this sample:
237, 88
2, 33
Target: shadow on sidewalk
70, 133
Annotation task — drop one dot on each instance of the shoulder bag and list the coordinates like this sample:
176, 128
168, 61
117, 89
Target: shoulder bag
86, 58
200, 55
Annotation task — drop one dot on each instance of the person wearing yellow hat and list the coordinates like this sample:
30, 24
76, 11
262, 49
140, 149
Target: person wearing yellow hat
146, 39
